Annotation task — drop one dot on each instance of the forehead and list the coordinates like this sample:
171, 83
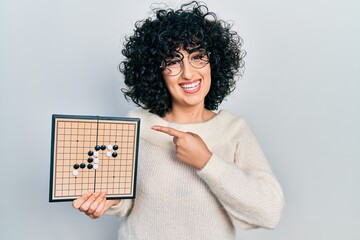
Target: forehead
186, 50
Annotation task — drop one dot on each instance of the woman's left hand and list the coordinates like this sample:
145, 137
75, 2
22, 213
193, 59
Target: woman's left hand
190, 148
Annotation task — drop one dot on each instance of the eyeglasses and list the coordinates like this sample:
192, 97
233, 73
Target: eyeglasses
197, 59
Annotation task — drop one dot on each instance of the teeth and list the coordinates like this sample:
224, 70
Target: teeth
190, 85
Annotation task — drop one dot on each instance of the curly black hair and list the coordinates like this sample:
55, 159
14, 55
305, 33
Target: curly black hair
157, 38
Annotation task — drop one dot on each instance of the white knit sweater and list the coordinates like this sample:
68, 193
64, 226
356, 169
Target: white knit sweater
175, 201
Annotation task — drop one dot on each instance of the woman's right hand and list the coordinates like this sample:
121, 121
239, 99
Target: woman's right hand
94, 205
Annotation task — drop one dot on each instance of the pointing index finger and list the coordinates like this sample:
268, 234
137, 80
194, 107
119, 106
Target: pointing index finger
168, 130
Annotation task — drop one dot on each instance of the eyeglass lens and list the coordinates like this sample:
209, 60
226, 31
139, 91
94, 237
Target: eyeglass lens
197, 59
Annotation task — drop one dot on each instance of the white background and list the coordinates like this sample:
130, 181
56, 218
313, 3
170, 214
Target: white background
300, 93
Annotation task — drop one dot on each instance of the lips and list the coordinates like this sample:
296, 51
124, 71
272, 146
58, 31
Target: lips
191, 87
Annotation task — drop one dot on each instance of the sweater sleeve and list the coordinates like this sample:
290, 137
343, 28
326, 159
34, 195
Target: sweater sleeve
122, 209
245, 185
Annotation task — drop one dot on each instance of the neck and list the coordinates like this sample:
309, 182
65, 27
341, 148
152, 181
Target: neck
189, 115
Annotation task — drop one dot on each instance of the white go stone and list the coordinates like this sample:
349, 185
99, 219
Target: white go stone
108, 154
75, 172
96, 160
96, 154
109, 147
96, 166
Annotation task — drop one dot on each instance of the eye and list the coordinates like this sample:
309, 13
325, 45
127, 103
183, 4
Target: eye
199, 56
173, 62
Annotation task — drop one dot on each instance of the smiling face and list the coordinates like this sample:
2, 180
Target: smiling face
188, 88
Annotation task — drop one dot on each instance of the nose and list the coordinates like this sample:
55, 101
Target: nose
188, 70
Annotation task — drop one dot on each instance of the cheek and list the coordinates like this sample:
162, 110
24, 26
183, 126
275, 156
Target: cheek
206, 71
207, 75
169, 86
166, 81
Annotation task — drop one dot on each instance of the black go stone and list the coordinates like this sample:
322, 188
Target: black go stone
82, 165
115, 147
97, 147
76, 166
89, 166
114, 154
103, 147
90, 160
90, 153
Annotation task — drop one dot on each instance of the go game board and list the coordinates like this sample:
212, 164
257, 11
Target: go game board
93, 153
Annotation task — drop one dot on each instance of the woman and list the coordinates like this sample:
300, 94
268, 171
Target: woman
200, 173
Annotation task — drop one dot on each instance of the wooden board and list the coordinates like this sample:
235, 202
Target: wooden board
93, 153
